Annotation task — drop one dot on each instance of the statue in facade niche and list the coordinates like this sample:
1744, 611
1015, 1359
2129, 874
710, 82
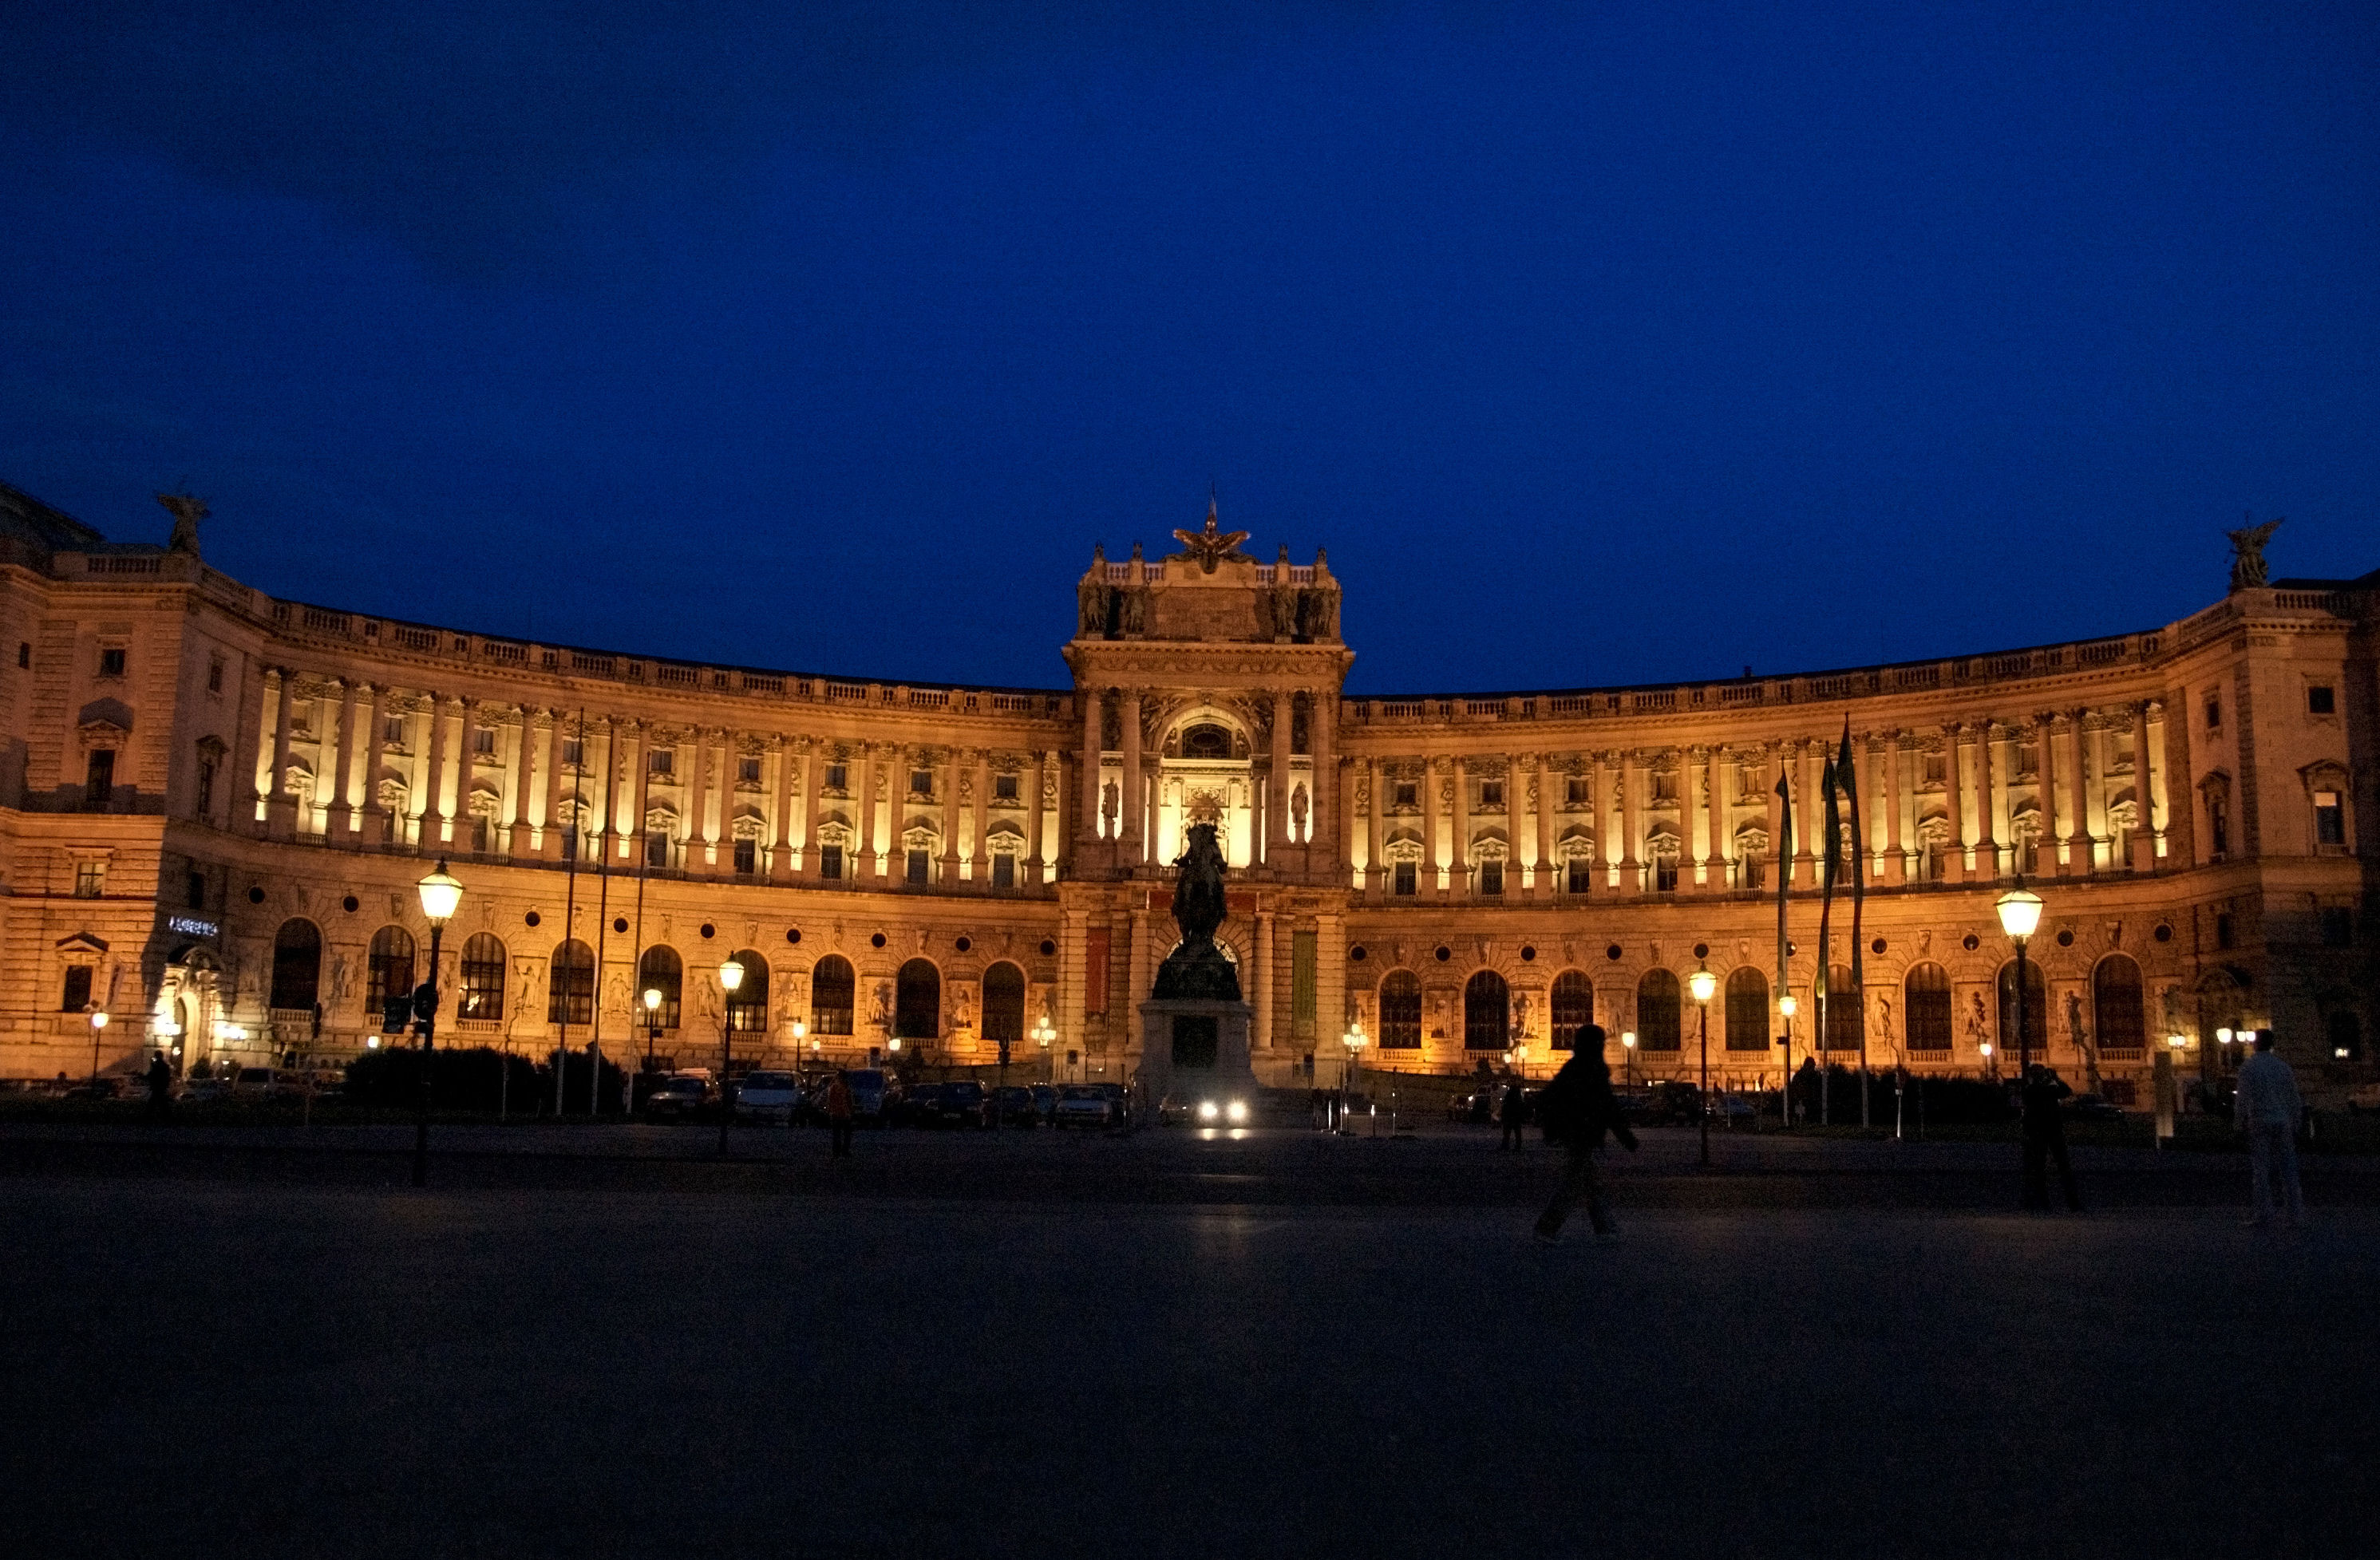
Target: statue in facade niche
2248, 553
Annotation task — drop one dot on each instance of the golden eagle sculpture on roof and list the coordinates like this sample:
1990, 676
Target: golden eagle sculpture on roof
1210, 546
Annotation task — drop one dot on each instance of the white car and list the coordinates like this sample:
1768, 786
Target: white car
768, 1096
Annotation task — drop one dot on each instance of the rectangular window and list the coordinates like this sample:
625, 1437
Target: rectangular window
747, 771
480, 834
214, 675
76, 997
2321, 700
1755, 872
206, 784
2223, 928
1937, 768
2337, 927
1301, 960
747, 857
2213, 713
838, 777
2219, 826
573, 751
656, 848
1578, 876
1003, 788
483, 740
90, 880
2329, 818
1492, 877
1407, 794
111, 661
1491, 794
1405, 879
569, 843
1003, 871
24, 654
830, 862
1665, 876
1095, 972
920, 865
921, 782
194, 890
99, 780
391, 730
660, 761
1665, 785
1574, 791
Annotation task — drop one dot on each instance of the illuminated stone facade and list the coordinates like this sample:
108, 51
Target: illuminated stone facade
218, 804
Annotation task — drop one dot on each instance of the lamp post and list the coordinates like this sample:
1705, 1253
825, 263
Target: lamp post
1702, 983
439, 894
98, 1028
1628, 1059
1042, 1035
731, 977
1354, 1041
2020, 913
1786, 1007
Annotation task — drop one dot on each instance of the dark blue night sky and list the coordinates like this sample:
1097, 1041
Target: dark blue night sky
1597, 343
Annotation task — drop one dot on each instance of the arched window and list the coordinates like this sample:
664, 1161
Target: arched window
1207, 742
2116, 1004
1842, 1010
388, 967
570, 984
1925, 1008
1573, 1007
748, 1010
1400, 1011
1003, 1004
1656, 1012
297, 965
1486, 1012
831, 990
660, 970
483, 978
917, 1001
2037, 1011
1747, 1010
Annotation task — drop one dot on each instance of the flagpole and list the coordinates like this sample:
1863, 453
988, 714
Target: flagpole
1829, 862
602, 924
570, 839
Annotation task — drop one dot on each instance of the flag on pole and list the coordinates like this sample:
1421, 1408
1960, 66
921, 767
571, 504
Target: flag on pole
1847, 772
1784, 843
1829, 862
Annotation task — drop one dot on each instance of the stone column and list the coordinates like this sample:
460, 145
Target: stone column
2079, 824
1721, 808
862, 787
1277, 840
261, 787
1375, 806
341, 819
979, 858
783, 760
1606, 855
1429, 804
1329, 978
2150, 813
1812, 844
1260, 979
952, 760
1463, 884
2097, 746
1136, 988
430, 830
1541, 776
1954, 859
1087, 824
1132, 803
1988, 848
1632, 820
375, 744
545, 839
1775, 757
1322, 820
813, 772
280, 807
1032, 784
1896, 860
1515, 858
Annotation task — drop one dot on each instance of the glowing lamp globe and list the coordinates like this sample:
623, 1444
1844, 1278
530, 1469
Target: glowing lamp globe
731, 975
1702, 983
441, 892
2019, 912
1788, 1006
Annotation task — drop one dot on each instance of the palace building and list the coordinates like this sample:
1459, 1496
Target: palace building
214, 806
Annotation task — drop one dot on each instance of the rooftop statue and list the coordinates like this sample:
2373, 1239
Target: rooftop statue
1210, 546
187, 512
2248, 553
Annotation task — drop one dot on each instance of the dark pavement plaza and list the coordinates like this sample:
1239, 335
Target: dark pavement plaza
234, 1364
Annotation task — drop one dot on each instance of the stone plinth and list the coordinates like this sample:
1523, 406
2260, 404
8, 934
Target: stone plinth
1193, 1045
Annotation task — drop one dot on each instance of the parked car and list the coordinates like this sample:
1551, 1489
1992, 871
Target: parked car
1044, 1100
96, 1089
678, 1097
945, 1105
768, 1096
206, 1090
2093, 1108
259, 1083
1088, 1105
1017, 1106
869, 1094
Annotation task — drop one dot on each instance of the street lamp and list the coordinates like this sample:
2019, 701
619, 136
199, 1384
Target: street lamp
1354, 1041
652, 1024
439, 894
731, 977
2020, 913
1628, 1058
1702, 983
98, 1028
1042, 1035
1788, 1007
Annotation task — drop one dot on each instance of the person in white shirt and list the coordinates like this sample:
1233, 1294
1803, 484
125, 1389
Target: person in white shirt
2267, 1109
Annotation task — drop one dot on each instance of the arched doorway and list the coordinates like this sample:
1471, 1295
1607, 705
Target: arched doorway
570, 984
1400, 1011
388, 969
831, 986
1486, 1012
1925, 1008
1656, 1012
661, 970
1747, 1010
1573, 1007
1003, 1005
917, 1001
2118, 1014
747, 1009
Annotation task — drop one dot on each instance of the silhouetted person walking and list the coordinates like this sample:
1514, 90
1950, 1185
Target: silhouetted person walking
1513, 1110
2045, 1139
838, 1116
1575, 1110
2266, 1109
161, 1089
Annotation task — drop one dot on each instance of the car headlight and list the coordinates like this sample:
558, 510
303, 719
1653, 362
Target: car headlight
1207, 1111
1239, 1110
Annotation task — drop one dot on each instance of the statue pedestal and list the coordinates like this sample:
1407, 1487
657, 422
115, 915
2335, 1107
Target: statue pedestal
1194, 1046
